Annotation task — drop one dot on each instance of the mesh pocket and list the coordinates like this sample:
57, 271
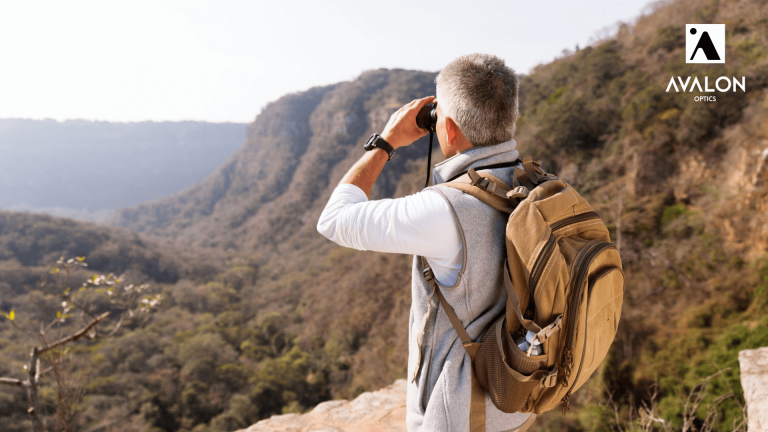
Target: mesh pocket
507, 393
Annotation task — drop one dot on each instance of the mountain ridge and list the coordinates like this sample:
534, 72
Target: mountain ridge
46, 165
306, 135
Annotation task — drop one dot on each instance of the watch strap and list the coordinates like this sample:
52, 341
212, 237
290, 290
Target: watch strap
376, 141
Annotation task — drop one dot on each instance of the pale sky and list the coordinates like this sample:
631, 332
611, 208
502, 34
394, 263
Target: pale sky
224, 60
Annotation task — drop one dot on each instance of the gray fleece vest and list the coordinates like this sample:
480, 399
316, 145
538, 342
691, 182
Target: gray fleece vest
439, 380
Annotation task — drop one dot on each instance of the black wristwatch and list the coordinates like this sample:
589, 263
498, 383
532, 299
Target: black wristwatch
376, 141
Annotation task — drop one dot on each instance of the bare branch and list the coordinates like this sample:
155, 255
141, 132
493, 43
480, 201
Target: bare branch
41, 337
722, 371
13, 382
691, 399
81, 307
50, 325
116, 328
82, 332
37, 370
615, 408
30, 332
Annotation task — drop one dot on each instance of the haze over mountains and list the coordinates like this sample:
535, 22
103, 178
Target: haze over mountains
86, 169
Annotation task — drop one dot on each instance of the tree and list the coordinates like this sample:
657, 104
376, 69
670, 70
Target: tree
80, 314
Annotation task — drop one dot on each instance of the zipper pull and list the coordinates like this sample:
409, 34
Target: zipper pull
567, 366
566, 403
568, 356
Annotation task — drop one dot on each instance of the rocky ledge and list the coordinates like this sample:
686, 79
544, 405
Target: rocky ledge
384, 410
381, 410
754, 381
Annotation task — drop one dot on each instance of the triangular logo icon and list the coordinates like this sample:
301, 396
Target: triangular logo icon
705, 44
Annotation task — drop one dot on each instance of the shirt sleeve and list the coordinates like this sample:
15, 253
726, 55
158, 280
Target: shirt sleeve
419, 224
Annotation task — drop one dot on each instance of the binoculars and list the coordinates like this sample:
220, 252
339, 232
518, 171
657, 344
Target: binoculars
427, 117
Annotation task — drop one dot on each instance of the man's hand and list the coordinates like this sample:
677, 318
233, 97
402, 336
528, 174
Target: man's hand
401, 129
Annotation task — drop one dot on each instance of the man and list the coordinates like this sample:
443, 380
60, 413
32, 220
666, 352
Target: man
461, 238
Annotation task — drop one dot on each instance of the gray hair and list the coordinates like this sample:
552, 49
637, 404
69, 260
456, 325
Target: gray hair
479, 92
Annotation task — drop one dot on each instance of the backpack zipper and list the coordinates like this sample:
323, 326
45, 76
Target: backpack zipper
581, 274
575, 219
538, 266
549, 247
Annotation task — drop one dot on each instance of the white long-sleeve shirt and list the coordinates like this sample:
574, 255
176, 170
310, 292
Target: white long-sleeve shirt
424, 224
419, 224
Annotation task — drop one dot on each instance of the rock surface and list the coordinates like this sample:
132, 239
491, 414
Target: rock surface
754, 381
382, 410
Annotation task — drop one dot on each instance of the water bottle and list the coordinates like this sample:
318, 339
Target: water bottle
524, 343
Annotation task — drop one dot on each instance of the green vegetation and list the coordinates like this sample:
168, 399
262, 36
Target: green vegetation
690, 215
226, 348
717, 331
262, 316
668, 38
99, 302
180, 371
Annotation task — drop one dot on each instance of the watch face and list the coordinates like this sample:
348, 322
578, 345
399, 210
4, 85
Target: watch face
370, 144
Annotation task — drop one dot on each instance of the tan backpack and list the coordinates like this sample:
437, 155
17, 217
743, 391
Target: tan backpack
564, 282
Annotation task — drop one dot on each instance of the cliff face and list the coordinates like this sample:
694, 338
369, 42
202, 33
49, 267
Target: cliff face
294, 154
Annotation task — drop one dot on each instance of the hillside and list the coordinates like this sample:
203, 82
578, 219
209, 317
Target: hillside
35, 241
294, 153
682, 185
294, 320
85, 169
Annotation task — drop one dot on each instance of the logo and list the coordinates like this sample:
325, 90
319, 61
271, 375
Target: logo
705, 43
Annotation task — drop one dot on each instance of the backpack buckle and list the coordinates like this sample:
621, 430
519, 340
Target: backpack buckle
476, 180
520, 192
474, 177
550, 380
549, 330
490, 186
428, 275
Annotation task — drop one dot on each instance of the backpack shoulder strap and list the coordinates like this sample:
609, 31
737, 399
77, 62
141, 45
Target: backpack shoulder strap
531, 175
489, 190
525, 426
477, 414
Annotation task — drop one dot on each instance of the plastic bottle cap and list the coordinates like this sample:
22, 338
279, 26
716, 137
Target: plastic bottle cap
529, 337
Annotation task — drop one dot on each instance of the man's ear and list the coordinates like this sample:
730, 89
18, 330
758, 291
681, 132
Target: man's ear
451, 130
